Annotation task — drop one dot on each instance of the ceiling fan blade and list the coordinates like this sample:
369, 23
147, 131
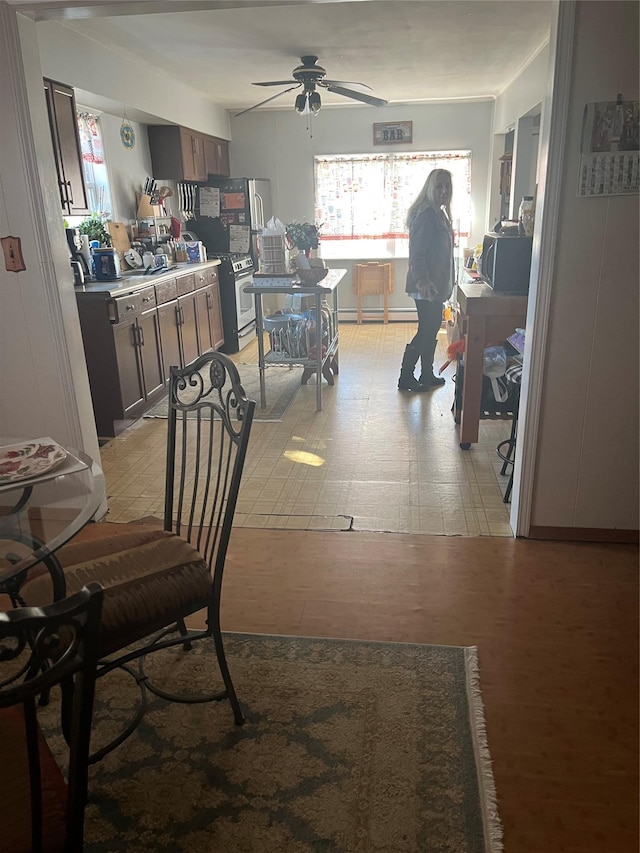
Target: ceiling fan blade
358, 96
275, 83
266, 101
343, 83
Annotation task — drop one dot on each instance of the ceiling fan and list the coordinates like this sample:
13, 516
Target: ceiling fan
310, 75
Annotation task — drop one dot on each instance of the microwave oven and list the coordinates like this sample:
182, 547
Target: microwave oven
506, 262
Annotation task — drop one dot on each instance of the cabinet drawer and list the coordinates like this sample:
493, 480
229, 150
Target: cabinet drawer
124, 307
166, 291
186, 284
202, 279
206, 277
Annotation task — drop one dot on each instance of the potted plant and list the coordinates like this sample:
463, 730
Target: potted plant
303, 236
94, 226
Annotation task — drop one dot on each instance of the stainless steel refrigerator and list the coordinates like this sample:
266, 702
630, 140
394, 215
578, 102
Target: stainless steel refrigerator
243, 202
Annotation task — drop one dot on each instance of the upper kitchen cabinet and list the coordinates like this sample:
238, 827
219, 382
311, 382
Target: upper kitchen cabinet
216, 156
180, 154
61, 106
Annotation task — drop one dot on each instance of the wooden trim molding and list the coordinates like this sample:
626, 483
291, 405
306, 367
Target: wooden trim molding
585, 534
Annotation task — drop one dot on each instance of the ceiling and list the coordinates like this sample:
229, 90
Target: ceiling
405, 50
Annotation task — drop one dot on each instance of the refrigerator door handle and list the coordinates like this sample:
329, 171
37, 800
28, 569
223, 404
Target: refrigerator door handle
260, 212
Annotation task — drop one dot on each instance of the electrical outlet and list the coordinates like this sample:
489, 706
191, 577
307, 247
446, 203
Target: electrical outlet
12, 250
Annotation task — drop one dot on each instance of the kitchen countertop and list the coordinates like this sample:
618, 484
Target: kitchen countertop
133, 280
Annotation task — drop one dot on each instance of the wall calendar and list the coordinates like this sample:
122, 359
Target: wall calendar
610, 149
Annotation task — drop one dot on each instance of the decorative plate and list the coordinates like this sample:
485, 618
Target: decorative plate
127, 135
25, 461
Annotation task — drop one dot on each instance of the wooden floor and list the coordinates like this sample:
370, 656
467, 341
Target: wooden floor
556, 626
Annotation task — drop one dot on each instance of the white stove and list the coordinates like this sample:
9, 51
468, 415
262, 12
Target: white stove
238, 308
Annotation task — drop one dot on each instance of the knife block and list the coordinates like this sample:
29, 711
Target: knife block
147, 210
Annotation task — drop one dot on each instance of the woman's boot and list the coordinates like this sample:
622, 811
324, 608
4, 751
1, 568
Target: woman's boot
407, 381
431, 380
428, 379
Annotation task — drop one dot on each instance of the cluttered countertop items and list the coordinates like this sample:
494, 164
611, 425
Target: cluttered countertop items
105, 251
133, 280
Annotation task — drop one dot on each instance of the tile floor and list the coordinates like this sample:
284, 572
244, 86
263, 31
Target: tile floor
374, 459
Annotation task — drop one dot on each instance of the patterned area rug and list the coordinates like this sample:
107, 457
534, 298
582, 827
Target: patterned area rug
281, 386
348, 746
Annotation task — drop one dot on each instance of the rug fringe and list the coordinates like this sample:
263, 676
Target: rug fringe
486, 782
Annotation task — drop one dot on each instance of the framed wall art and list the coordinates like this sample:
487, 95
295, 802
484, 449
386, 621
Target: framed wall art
392, 133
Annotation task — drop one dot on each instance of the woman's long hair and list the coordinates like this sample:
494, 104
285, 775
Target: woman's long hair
425, 197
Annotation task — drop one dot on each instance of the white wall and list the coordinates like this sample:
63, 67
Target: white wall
84, 64
522, 95
521, 98
127, 168
275, 144
44, 388
586, 473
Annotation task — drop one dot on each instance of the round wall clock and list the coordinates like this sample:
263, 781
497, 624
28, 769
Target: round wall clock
127, 135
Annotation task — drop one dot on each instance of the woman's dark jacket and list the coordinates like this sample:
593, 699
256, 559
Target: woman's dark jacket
430, 256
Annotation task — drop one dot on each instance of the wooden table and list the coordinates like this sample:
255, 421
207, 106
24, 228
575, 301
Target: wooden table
487, 318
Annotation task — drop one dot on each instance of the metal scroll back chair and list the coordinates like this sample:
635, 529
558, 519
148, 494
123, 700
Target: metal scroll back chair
39, 649
154, 579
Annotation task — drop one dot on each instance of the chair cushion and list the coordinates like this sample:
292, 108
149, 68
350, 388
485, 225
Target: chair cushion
151, 578
15, 809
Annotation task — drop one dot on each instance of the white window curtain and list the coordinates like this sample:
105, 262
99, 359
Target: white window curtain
365, 198
95, 170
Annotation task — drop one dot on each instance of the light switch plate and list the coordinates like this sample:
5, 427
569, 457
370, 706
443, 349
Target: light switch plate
12, 250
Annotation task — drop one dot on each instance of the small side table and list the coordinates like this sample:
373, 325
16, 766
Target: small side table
370, 279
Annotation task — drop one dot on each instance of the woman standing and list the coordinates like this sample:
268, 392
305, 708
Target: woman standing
430, 276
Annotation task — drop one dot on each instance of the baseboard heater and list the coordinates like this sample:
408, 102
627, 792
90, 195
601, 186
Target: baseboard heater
396, 315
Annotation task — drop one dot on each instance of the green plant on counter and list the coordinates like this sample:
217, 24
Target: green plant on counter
303, 235
95, 227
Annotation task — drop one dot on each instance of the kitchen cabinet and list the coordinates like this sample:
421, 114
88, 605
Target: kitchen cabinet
63, 125
216, 156
134, 332
180, 154
193, 162
123, 352
188, 328
208, 310
178, 322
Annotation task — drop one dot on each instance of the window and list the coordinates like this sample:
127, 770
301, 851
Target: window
362, 200
95, 169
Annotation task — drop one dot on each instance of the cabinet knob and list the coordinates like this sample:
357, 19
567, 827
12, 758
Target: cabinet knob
146, 299
131, 307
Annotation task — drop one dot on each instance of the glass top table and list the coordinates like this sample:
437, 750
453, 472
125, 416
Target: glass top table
47, 494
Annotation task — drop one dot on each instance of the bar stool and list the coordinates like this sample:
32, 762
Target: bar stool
506, 449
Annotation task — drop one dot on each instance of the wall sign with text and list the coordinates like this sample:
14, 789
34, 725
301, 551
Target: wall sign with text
392, 133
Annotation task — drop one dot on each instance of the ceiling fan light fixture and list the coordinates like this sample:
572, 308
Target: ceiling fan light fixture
301, 102
314, 102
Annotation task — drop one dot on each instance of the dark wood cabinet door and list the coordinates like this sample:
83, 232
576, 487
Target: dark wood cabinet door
63, 124
150, 352
216, 153
215, 314
205, 339
125, 336
222, 156
188, 328
193, 156
169, 336
211, 155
